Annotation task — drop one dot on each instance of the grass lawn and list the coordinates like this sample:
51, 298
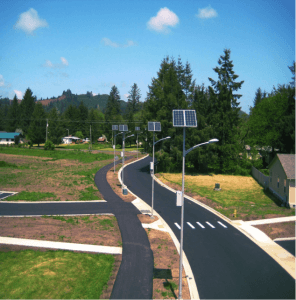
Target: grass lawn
39, 175
81, 156
32, 274
240, 193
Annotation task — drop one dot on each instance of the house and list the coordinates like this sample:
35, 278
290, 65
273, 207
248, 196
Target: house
101, 140
7, 138
282, 178
70, 139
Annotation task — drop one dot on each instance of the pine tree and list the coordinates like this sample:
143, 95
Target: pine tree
37, 129
292, 69
113, 104
55, 128
13, 115
133, 104
27, 107
224, 116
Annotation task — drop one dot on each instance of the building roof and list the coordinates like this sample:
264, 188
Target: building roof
8, 135
288, 163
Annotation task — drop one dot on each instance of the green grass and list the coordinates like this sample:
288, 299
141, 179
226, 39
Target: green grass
81, 156
247, 202
53, 274
33, 196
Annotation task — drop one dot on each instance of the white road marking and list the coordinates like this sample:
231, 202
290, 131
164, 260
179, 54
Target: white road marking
210, 224
222, 224
178, 225
191, 225
200, 225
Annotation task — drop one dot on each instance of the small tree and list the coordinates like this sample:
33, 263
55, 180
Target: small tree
37, 129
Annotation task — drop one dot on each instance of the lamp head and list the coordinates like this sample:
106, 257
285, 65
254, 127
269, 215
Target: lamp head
213, 140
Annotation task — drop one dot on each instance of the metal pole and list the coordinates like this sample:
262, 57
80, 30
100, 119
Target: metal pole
90, 137
182, 219
114, 150
46, 128
137, 144
152, 217
123, 160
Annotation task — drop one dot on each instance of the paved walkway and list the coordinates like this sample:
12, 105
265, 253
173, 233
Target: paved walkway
135, 276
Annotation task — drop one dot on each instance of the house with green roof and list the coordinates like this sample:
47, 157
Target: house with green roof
8, 138
282, 178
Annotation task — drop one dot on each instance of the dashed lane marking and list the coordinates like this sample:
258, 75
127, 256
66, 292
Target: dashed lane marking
222, 224
200, 225
191, 225
210, 224
178, 226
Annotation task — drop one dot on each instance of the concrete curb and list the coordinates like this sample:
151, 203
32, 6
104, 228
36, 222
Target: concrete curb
68, 215
142, 205
61, 246
44, 202
270, 221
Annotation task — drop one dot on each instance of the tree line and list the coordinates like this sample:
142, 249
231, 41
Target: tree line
270, 127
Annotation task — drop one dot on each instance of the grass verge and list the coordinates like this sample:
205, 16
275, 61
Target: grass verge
240, 193
32, 274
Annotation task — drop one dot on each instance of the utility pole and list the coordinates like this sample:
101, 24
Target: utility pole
46, 128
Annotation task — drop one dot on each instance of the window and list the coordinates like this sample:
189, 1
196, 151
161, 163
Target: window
278, 182
285, 184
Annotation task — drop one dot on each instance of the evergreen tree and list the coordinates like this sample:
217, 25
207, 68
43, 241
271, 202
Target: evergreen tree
94, 117
13, 115
55, 128
37, 129
292, 69
259, 96
113, 104
70, 118
27, 107
133, 104
82, 117
224, 116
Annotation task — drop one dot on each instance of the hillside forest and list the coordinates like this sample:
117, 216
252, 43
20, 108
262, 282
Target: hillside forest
244, 140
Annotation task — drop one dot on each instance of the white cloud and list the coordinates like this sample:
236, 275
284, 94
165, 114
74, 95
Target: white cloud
206, 13
64, 61
19, 94
29, 21
49, 64
94, 94
126, 95
108, 42
2, 80
163, 19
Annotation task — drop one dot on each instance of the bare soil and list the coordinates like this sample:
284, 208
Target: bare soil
278, 230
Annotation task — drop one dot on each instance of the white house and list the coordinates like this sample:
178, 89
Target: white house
70, 139
7, 138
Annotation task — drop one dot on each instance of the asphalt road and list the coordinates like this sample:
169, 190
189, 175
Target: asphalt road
288, 245
226, 264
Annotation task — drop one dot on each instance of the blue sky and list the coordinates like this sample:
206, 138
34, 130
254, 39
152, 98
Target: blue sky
51, 46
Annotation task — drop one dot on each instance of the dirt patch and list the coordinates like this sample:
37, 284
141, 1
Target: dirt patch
112, 178
146, 218
166, 267
95, 230
278, 230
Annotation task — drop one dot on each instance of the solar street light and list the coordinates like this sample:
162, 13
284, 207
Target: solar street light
138, 129
154, 126
124, 130
114, 128
114, 146
185, 118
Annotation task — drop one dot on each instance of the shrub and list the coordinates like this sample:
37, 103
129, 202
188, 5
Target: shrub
49, 145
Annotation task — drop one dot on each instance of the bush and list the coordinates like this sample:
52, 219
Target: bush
49, 145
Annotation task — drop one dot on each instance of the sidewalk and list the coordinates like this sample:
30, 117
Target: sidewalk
135, 276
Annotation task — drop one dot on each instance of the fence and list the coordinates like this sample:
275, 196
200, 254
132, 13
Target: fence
260, 177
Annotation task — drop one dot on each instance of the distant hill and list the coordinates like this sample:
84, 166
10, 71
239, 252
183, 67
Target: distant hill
62, 102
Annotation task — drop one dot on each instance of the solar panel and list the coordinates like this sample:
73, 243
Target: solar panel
123, 128
154, 126
190, 118
157, 126
150, 126
137, 128
114, 127
184, 118
178, 118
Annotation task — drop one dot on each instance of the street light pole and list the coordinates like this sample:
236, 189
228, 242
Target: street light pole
114, 146
182, 208
154, 143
